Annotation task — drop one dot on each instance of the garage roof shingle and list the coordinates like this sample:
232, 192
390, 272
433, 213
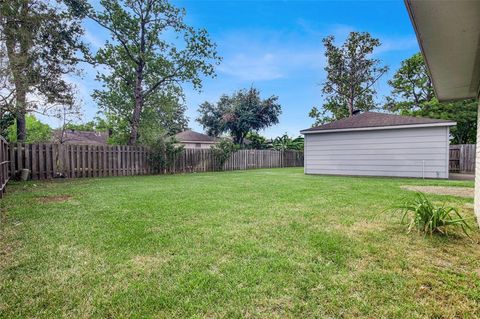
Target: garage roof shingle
375, 120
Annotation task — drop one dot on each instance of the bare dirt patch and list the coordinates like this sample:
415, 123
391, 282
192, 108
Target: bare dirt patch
441, 190
54, 199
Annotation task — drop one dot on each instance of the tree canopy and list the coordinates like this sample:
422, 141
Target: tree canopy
412, 94
144, 65
411, 86
39, 44
351, 75
242, 112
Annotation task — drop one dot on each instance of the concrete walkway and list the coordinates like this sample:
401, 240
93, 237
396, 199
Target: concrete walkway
461, 177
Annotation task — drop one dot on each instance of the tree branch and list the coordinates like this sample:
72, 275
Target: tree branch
117, 35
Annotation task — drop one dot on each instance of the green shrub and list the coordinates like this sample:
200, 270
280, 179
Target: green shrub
422, 214
163, 153
222, 151
37, 132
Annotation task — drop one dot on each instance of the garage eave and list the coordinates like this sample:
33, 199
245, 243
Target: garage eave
393, 127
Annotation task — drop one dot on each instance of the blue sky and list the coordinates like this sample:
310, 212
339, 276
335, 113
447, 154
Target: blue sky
276, 46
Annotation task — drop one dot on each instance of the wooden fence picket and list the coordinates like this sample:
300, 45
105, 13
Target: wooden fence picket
46, 160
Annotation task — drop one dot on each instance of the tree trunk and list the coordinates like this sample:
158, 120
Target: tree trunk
20, 106
21, 127
138, 107
350, 106
135, 123
18, 64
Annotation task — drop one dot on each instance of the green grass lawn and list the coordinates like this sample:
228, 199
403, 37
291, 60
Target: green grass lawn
246, 244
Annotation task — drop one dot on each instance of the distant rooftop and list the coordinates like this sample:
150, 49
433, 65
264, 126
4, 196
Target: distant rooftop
375, 120
83, 137
191, 136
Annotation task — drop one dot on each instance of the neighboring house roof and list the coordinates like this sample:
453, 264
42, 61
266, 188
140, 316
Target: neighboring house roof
246, 141
194, 137
376, 121
82, 137
448, 33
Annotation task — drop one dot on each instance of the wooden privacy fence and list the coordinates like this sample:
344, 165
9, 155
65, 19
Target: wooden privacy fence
198, 160
4, 173
53, 160
72, 161
462, 158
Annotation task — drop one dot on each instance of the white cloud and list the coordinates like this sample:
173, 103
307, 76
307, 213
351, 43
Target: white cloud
252, 67
95, 41
266, 55
390, 44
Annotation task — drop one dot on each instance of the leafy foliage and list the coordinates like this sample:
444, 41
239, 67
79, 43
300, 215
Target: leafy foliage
97, 124
163, 152
145, 67
422, 214
257, 141
351, 74
284, 142
223, 150
40, 43
239, 114
167, 112
37, 131
166, 116
412, 94
411, 86
6, 120
463, 112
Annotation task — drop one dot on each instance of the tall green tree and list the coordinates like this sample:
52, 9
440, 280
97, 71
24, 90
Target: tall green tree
40, 41
153, 51
411, 86
165, 117
412, 94
351, 75
243, 112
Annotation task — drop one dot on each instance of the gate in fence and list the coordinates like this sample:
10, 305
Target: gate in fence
462, 158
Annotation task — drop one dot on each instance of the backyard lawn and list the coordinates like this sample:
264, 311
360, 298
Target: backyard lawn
245, 244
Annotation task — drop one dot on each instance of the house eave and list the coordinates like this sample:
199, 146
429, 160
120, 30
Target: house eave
448, 33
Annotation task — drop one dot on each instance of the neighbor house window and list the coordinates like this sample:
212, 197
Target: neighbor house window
198, 145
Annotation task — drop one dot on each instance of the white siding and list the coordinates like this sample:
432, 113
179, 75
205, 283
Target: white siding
411, 152
190, 145
198, 145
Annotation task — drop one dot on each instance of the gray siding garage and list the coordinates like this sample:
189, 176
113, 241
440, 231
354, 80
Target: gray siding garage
378, 144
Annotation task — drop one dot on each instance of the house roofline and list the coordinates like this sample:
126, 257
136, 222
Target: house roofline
420, 44
201, 142
374, 128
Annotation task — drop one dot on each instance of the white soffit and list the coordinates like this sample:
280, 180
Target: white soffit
449, 36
